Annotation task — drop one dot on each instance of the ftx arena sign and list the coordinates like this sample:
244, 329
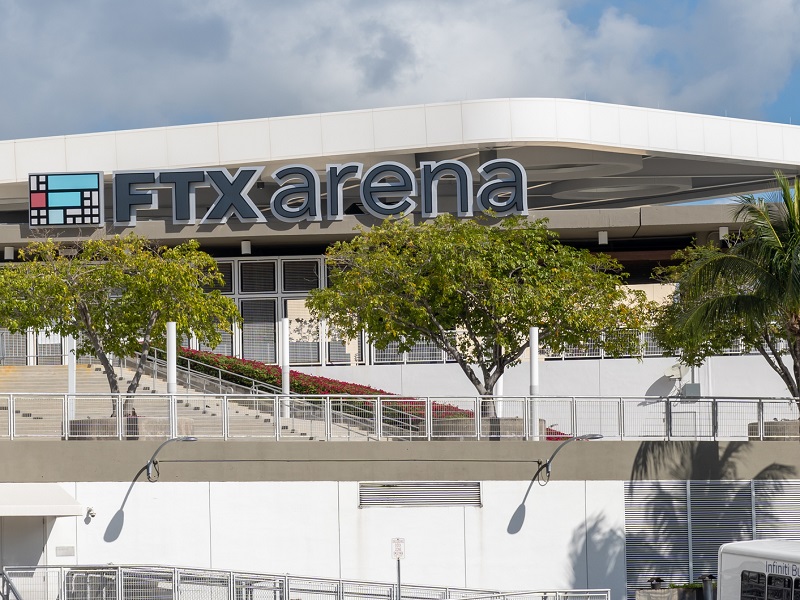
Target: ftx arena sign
387, 190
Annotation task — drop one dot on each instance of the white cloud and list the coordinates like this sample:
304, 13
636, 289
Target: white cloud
93, 65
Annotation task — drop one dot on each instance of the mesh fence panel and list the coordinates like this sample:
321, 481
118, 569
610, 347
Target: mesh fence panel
373, 591
301, 419
312, 589
256, 587
425, 352
37, 584
404, 419
203, 585
644, 418
780, 420
595, 415
454, 418
353, 418
38, 415
147, 584
737, 419
251, 416
387, 355
202, 414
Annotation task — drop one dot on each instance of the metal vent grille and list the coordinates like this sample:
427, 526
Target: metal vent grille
673, 529
656, 532
257, 276
300, 275
258, 330
226, 269
777, 508
419, 493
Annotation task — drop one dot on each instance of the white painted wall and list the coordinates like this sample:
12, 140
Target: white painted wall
731, 376
317, 528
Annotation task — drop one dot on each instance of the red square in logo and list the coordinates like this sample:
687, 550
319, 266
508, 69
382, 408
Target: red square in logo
38, 200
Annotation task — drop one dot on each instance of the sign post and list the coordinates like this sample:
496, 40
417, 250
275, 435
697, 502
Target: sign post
398, 553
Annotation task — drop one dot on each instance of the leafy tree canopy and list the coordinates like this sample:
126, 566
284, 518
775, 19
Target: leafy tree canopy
404, 283
115, 296
748, 292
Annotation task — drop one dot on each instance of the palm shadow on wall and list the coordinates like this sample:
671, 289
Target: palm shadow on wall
721, 504
698, 461
597, 555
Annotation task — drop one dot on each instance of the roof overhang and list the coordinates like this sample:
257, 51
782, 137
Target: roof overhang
37, 500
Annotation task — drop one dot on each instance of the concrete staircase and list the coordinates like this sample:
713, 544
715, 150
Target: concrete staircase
38, 408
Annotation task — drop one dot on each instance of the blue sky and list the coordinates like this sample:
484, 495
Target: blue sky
97, 65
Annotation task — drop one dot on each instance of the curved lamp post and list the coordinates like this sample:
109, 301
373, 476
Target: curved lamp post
152, 464
547, 465
518, 518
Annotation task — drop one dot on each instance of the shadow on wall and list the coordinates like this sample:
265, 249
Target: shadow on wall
663, 386
675, 483
597, 556
705, 461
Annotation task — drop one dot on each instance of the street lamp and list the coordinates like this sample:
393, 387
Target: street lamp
518, 518
547, 465
152, 464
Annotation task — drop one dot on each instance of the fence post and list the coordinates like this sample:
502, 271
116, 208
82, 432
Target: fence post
714, 418
668, 418
526, 410
327, 409
574, 416
226, 424
428, 417
120, 421
379, 417
621, 419
277, 401
11, 416
477, 416
761, 420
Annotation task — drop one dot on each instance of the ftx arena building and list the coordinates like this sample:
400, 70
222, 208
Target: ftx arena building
266, 197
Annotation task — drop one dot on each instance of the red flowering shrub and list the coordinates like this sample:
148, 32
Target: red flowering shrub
397, 410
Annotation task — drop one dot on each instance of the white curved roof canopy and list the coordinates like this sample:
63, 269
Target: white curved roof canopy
577, 154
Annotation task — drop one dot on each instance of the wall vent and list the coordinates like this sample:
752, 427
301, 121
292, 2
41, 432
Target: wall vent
419, 493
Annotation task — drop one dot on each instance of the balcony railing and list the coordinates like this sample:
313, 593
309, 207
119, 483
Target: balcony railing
368, 418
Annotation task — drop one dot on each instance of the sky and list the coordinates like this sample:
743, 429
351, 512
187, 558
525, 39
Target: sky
98, 65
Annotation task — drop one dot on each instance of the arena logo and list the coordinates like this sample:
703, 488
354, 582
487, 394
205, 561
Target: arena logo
386, 190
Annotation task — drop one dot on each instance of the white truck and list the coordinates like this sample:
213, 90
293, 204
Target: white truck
759, 570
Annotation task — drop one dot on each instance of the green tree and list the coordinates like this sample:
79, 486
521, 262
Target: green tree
115, 296
474, 291
750, 291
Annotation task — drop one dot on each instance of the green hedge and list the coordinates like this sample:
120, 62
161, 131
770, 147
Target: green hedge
405, 411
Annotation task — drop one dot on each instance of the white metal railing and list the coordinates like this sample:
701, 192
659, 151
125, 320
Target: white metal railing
167, 583
308, 417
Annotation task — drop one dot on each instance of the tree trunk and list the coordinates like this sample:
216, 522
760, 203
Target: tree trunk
143, 354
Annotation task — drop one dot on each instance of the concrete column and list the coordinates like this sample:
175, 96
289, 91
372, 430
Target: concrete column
172, 362
285, 382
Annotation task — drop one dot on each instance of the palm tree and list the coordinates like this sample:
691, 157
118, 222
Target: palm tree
755, 285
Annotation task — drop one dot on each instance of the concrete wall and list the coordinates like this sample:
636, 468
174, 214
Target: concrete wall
317, 528
723, 376
293, 507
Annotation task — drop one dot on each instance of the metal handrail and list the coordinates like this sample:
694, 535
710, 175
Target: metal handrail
255, 384
66, 416
141, 582
8, 590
